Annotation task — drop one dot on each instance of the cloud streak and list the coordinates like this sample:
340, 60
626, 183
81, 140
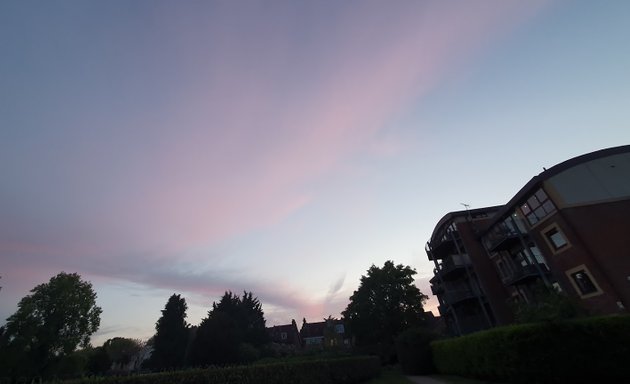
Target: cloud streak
184, 128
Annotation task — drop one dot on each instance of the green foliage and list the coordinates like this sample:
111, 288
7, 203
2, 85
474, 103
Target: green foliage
547, 305
414, 351
171, 337
573, 351
352, 370
48, 326
233, 327
386, 303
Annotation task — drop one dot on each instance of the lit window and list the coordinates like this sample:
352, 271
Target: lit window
556, 238
583, 282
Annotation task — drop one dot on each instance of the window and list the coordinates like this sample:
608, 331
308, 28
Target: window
537, 207
583, 282
556, 238
283, 335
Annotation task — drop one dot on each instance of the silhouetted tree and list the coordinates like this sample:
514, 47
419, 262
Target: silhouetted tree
386, 303
98, 362
121, 350
232, 332
171, 337
49, 324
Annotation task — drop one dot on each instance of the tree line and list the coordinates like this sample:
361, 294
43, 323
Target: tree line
49, 334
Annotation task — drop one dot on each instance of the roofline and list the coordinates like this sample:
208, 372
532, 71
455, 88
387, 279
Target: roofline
548, 173
451, 215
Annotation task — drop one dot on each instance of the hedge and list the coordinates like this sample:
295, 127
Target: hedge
577, 351
349, 370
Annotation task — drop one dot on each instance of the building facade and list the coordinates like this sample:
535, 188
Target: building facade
567, 228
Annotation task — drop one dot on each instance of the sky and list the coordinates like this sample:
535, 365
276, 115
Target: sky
280, 147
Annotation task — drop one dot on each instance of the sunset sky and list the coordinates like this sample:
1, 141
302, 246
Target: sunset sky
280, 147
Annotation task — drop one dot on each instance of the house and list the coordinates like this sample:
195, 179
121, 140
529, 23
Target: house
567, 228
287, 335
329, 333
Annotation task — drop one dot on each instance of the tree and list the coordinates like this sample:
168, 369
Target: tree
546, 304
51, 322
171, 337
386, 303
232, 332
121, 351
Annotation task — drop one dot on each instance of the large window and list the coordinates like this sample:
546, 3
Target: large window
537, 207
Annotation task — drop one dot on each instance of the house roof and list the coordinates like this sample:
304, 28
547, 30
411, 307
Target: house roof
313, 329
275, 333
317, 329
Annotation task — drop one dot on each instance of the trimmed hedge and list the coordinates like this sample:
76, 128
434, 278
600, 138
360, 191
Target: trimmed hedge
577, 351
350, 370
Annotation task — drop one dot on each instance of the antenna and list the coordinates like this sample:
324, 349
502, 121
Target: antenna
468, 216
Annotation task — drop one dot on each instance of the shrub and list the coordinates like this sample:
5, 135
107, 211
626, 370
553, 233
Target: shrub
554, 352
414, 351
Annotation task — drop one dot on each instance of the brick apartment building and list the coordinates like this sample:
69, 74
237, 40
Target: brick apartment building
568, 227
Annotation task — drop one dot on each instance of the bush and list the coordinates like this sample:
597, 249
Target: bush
348, 370
555, 352
414, 351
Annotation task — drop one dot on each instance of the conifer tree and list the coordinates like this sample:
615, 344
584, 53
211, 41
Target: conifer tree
171, 336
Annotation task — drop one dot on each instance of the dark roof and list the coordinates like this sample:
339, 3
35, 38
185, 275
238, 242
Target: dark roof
275, 333
313, 329
535, 181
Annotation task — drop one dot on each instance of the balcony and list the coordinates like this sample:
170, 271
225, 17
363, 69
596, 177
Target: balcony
437, 289
453, 267
523, 274
458, 296
442, 248
501, 239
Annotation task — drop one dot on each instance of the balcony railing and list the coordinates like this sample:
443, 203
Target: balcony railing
454, 297
524, 273
442, 248
501, 239
452, 264
437, 289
